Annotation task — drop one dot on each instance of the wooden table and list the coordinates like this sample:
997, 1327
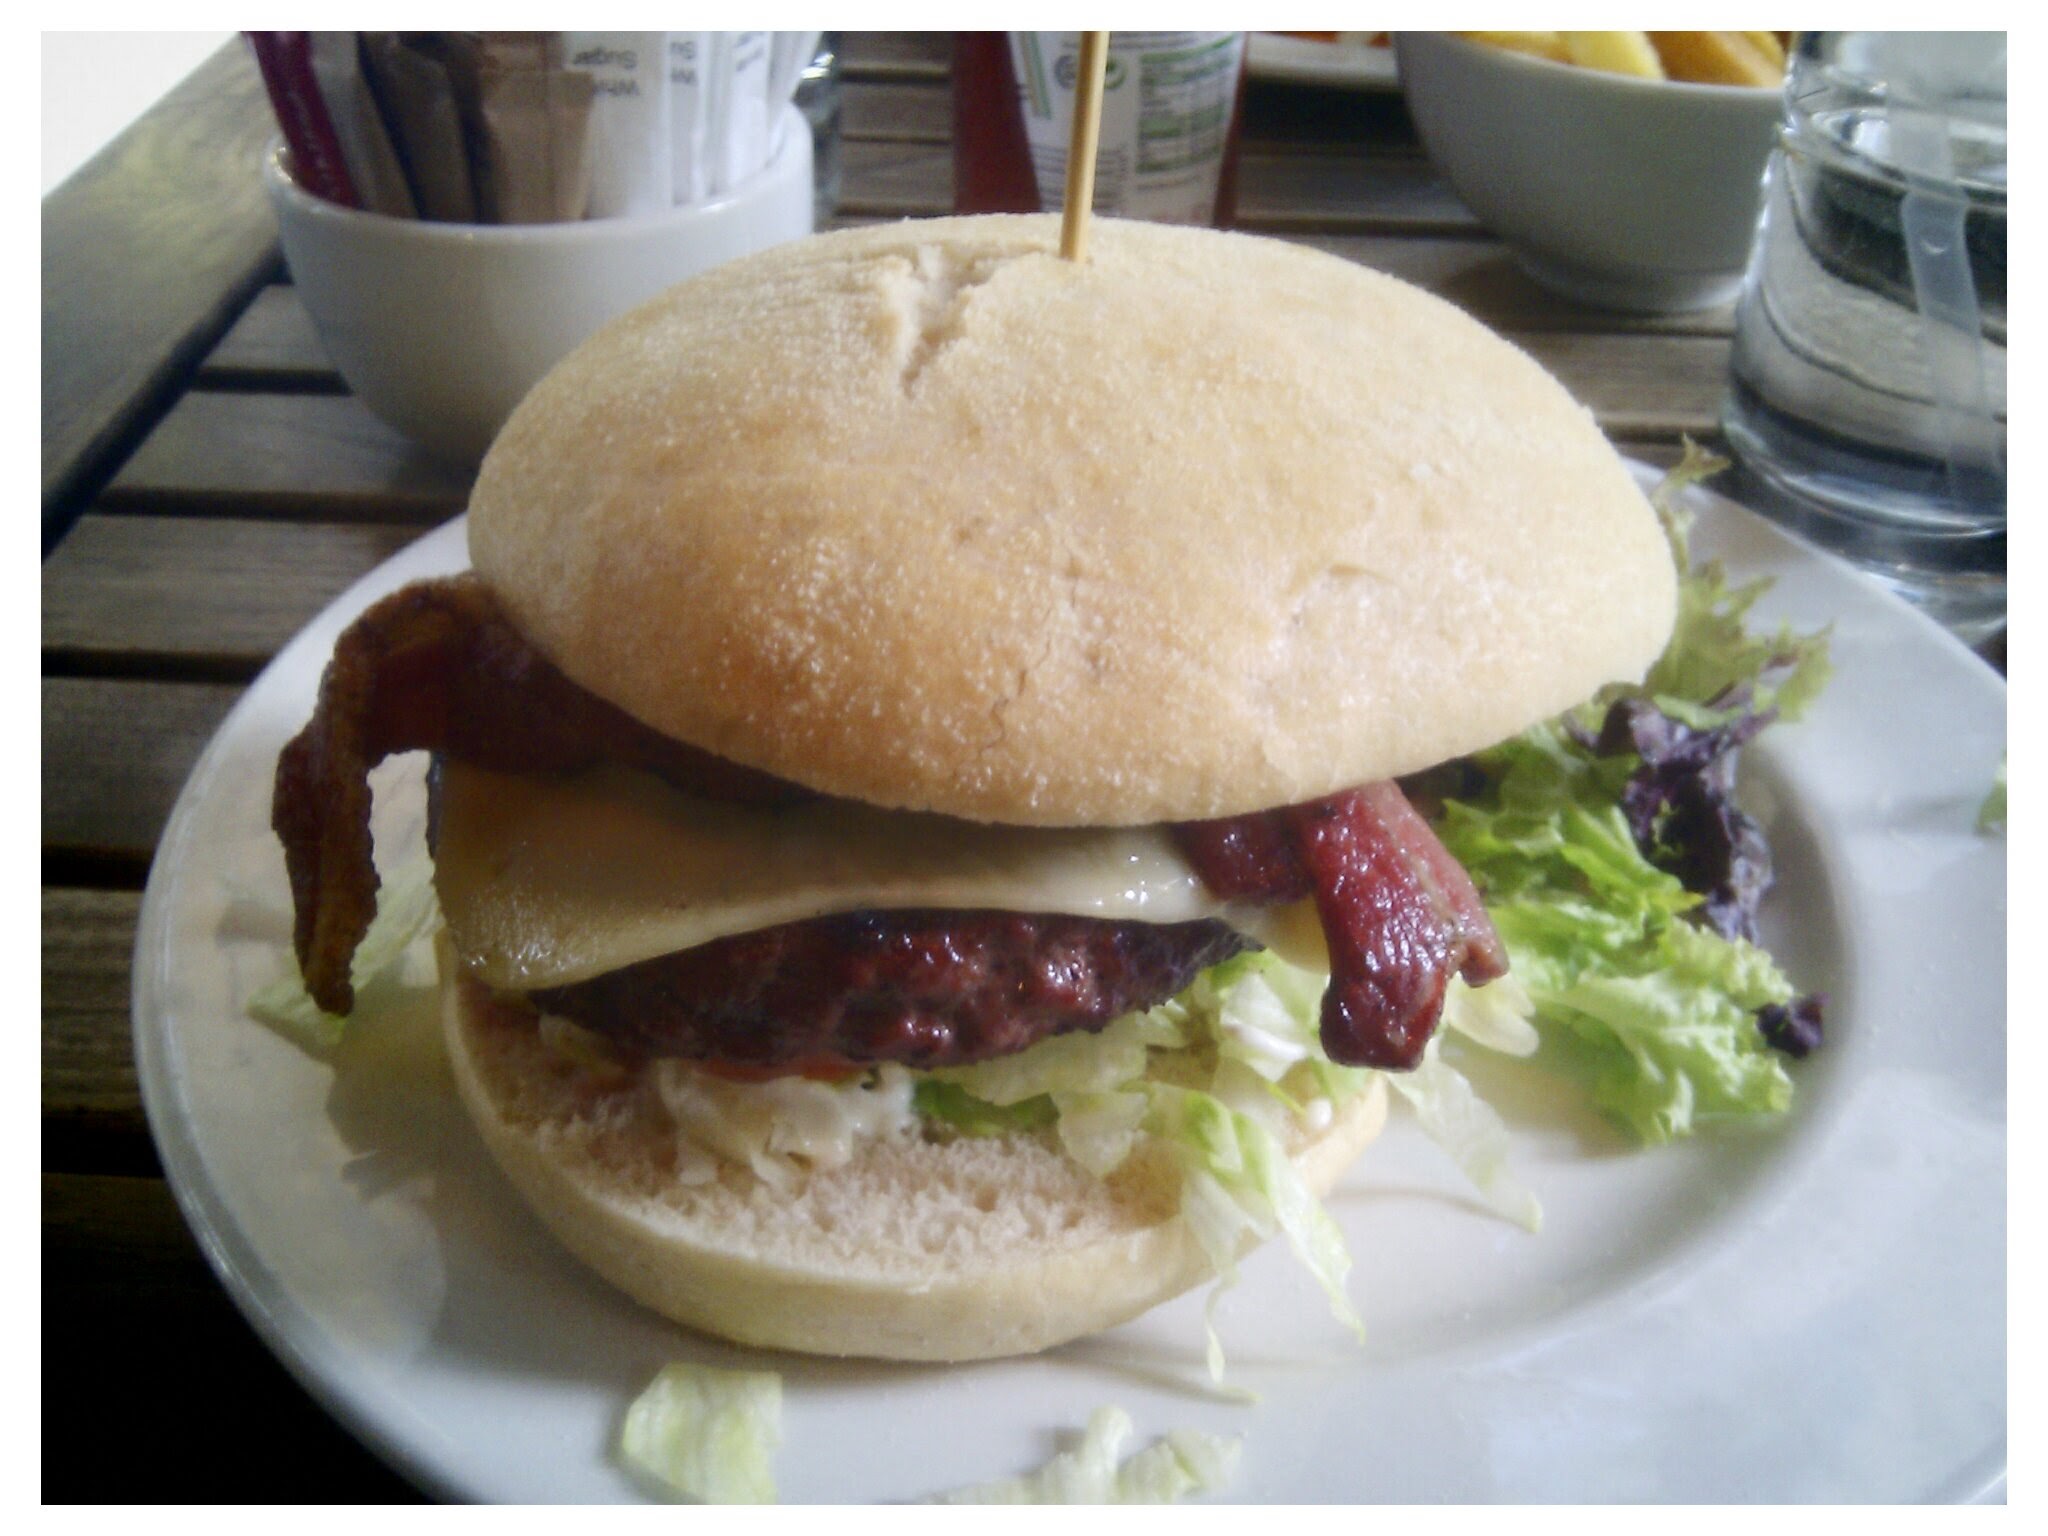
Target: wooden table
209, 485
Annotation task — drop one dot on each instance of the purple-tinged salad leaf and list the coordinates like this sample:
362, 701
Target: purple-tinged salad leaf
1794, 1027
1624, 879
1680, 805
1653, 1013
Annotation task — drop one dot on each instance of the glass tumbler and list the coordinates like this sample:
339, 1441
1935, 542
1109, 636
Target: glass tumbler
1867, 393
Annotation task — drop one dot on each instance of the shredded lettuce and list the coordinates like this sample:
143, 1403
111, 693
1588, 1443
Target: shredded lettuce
1239, 1183
1182, 1462
950, 1104
707, 1434
1099, 1130
1495, 1015
1070, 1063
407, 911
1991, 814
1219, 1077
787, 1126
1468, 1128
1235, 1031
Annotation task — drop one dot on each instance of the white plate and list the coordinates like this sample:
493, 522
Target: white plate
1813, 1312
1309, 61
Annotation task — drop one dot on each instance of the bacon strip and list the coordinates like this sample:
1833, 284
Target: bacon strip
1246, 858
1400, 916
435, 666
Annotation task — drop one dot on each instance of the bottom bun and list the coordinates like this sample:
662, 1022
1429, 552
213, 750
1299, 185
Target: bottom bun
964, 1249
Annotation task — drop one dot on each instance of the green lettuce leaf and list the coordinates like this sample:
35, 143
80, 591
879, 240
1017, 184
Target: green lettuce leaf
707, 1434
1651, 1012
1219, 1076
407, 911
1991, 814
1183, 1462
1071, 1063
1660, 1011
952, 1105
1467, 1127
1712, 649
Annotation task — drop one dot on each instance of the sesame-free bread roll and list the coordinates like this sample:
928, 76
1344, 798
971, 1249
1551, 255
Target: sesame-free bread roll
925, 516
917, 1250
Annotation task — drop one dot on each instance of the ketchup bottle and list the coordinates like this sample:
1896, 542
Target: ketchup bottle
991, 157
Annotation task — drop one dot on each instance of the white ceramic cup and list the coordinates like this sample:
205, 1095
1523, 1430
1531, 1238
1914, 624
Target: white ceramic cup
441, 329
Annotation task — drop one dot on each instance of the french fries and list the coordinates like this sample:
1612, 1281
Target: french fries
1619, 53
1721, 58
1545, 45
1710, 58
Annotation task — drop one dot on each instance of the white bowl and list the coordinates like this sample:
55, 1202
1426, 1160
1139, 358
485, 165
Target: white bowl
1615, 191
442, 328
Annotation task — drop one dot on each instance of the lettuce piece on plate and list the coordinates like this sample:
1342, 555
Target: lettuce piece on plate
1577, 833
1470, 1130
1220, 1076
707, 1434
1653, 1013
1237, 1180
1713, 655
407, 911
1991, 814
1182, 1462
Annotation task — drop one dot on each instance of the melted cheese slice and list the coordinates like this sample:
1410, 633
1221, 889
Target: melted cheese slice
545, 883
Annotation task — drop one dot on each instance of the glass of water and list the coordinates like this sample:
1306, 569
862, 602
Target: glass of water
1866, 400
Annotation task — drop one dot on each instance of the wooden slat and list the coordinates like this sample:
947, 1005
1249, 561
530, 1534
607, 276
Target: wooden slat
899, 86
896, 55
1478, 275
147, 253
309, 456
1277, 192
1664, 453
907, 110
1639, 386
895, 180
92, 1109
200, 596
1386, 193
272, 345
115, 755
154, 1388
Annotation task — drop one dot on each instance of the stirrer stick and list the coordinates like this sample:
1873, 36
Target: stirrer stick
1082, 144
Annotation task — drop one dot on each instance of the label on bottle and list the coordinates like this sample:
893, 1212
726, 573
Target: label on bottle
1167, 100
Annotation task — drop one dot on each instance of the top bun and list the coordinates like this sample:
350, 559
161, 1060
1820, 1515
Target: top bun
926, 516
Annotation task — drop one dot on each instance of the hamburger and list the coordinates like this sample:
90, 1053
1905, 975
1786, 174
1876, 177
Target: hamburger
921, 710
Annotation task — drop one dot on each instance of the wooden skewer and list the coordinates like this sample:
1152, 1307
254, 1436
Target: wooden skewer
1081, 145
